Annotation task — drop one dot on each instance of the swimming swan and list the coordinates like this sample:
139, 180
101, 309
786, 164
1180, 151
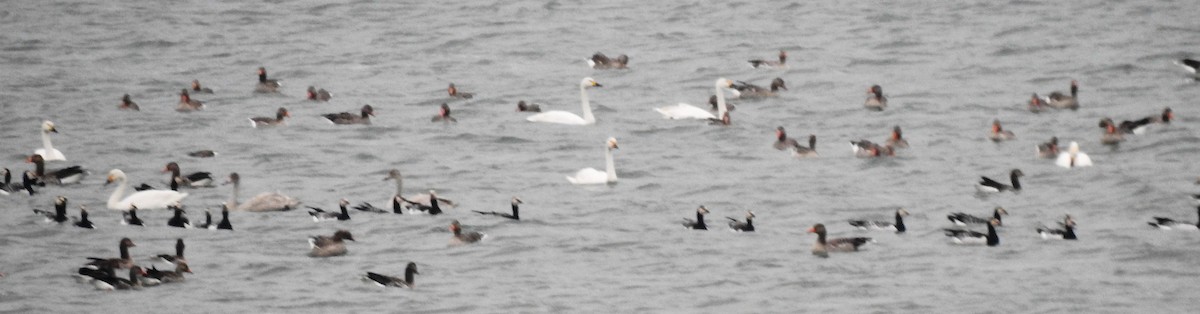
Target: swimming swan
593, 176
563, 117
1073, 158
47, 151
265, 201
148, 199
686, 111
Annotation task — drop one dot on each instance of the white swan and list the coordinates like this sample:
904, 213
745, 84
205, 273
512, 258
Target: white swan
420, 199
686, 111
265, 201
593, 176
47, 151
1073, 158
563, 117
148, 199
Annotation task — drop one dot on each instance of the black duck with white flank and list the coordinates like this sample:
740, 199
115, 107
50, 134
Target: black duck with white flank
1172, 224
224, 224
963, 219
750, 91
1066, 233
897, 226
178, 257
170, 276
178, 220
60, 211
83, 221
1139, 126
319, 215
388, 281
1059, 100
515, 215
25, 186
697, 224
987, 185
747, 226
968, 237
130, 218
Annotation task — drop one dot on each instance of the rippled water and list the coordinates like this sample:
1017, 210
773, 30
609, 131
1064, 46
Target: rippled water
949, 69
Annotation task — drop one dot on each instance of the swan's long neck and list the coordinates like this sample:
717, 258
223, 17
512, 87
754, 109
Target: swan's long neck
608, 165
721, 107
399, 187
46, 142
587, 105
233, 199
118, 194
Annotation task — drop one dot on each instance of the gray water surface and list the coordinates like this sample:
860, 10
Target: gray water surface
949, 69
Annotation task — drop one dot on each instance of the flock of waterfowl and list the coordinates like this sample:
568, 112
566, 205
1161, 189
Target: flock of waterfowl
103, 272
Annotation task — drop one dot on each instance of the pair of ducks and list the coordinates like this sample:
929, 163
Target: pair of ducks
328, 246
185, 104
867, 149
1056, 100
734, 224
1115, 133
101, 272
60, 214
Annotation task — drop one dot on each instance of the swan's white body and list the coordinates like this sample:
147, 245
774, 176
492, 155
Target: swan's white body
1073, 154
269, 201
593, 176
686, 111
563, 117
148, 199
47, 151
422, 198
265, 201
